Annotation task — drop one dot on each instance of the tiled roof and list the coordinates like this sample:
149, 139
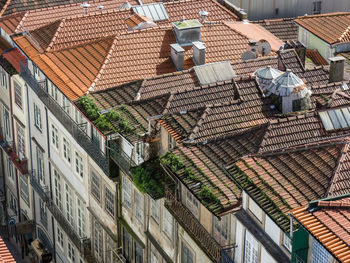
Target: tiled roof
286, 180
316, 57
146, 53
257, 32
248, 67
335, 26
283, 28
13, 6
72, 70
11, 22
15, 57
5, 254
328, 221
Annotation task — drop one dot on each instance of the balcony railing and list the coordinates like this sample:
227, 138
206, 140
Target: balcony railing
45, 195
74, 129
195, 229
88, 255
120, 157
10, 148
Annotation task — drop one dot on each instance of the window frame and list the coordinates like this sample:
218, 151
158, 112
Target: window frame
168, 219
79, 165
109, 202
126, 186
139, 203
67, 154
95, 186
24, 188
155, 207
37, 117
55, 140
60, 237
185, 247
18, 95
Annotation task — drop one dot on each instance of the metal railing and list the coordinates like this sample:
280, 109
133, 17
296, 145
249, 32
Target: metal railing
74, 129
45, 195
120, 157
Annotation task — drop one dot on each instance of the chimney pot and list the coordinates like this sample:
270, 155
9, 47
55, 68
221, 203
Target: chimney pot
178, 56
336, 70
198, 53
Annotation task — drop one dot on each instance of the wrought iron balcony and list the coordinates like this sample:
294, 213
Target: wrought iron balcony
10, 148
120, 157
40, 88
195, 229
45, 195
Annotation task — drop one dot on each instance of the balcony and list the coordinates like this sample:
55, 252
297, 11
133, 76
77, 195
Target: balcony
88, 255
195, 229
45, 195
10, 148
120, 157
73, 128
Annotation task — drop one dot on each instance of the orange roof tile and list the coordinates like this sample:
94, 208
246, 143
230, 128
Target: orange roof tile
257, 32
14, 56
5, 254
136, 20
316, 57
335, 26
333, 217
11, 22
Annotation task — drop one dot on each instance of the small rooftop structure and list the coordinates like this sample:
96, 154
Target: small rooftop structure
335, 119
266, 75
214, 72
125, 5
187, 31
154, 11
137, 21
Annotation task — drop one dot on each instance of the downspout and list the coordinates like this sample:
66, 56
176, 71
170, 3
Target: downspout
4, 203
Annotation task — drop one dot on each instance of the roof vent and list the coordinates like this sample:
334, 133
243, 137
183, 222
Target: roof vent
178, 56
100, 7
199, 53
187, 31
214, 72
203, 14
85, 7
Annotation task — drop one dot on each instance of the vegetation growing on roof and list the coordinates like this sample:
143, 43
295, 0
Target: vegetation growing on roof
149, 178
207, 195
113, 120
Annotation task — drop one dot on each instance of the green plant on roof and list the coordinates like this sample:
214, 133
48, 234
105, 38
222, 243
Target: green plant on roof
207, 195
173, 161
90, 107
149, 178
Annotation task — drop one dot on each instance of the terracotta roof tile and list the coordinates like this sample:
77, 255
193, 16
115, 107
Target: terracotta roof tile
333, 216
11, 22
335, 26
15, 57
316, 57
283, 28
5, 254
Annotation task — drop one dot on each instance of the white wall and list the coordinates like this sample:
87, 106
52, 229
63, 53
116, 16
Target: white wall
272, 230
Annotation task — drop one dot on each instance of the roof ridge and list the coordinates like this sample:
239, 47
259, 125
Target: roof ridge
20, 24
337, 169
5, 7
60, 26
324, 15
344, 34
97, 13
199, 123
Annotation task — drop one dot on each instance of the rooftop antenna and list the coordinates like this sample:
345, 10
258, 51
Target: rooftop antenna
203, 14
85, 6
100, 7
182, 19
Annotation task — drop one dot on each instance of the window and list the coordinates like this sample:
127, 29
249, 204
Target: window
155, 210
296, 105
154, 255
304, 36
40, 165
69, 204
3, 78
138, 206
57, 189
53, 91
7, 125
71, 252
37, 117
13, 202
220, 229
43, 214
54, 136
317, 7
127, 245
95, 186
98, 241
126, 193
138, 253
66, 150
18, 94
95, 135
250, 249
60, 236
186, 254
287, 242
319, 253
171, 142
24, 187
109, 202
168, 223
79, 166
66, 104
255, 209
192, 203
10, 169
140, 150
20, 141
81, 218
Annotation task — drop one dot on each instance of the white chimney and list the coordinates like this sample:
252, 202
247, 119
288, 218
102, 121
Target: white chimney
85, 6
178, 56
336, 69
198, 53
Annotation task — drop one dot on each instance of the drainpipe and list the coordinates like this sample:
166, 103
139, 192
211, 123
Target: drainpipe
176, 241
4, 203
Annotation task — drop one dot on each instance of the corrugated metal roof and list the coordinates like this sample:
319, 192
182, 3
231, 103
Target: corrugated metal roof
335, 119
155, 11
214, 72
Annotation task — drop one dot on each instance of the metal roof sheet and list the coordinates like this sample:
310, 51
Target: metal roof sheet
214, 72
335, 119
154, 11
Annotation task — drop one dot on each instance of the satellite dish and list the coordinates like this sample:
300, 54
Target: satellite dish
263, 47
249, 55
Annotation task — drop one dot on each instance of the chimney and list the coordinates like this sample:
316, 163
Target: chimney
199, 53
85, 7
187, 31
178, 56
253, 44
336, 70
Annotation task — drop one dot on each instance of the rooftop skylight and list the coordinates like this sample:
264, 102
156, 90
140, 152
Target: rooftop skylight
336, 119
214, 72
155, 11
